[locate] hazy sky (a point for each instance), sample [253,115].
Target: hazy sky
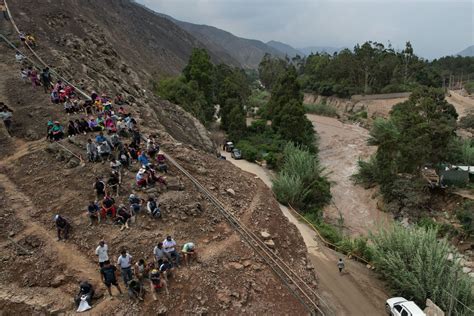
[435,27]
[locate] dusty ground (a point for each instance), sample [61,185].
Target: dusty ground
[340,146]
[463,105]
[356,292]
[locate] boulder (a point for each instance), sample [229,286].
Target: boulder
[270,243]
[235,265]
[265,235]
[231,192]
[466,270]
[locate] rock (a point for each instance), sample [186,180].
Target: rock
[466,270]
[432,309]
[235,265]
[11,234]
[73,163]
[265,235]
[247,263]
[450,257]
[270,243]
[231,192]
[173,183]
[162,310]
[471,274]
[58,280]
[368,266]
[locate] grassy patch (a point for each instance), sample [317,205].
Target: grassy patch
[321,109]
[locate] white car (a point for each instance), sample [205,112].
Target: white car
[399,306]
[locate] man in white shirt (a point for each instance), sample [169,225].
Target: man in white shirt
[169,245]
[125,263]
[101,252]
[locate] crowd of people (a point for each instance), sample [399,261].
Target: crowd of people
[136,274]
[110,125]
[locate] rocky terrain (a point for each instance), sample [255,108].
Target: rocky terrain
[38,179]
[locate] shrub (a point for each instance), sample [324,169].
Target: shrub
[248,150]
[467,121]
[469,87]
[300,181]
[321,109]
[465,215]
[415,264]
[366,173]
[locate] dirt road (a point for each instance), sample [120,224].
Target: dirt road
[340,146]
[463,105]
[357,292]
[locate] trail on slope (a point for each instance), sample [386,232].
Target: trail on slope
[357,292]
[340,147]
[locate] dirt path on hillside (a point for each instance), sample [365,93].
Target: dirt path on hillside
[463,105]
[340,147]
[64,253]
[357,292]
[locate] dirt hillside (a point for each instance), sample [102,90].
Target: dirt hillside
[38,180]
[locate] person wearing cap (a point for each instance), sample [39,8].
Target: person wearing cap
[62,226]
[169,245]
[189,252]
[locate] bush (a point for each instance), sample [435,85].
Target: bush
[320,109]
[300,182]
[415,264]
[465,215]
[467,121]
[469,87]
[366,173]
[248,150]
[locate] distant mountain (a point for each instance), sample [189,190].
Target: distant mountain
[319,49]
[285,48]
[468,52]
[247,52]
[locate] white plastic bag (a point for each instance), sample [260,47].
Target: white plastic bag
[83,306]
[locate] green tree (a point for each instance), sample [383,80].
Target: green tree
[270,69]
[200,70]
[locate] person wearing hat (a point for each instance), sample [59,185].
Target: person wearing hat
[189,252]
[141,178]
[57,131]
[62,226]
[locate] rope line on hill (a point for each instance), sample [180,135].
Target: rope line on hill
[284,272]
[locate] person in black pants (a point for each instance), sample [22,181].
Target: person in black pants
[63,226]
[85,289]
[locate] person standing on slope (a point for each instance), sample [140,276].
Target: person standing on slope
[340,265]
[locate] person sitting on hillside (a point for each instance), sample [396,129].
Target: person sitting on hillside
[34,77]
[6,116]
[71,129]
[91,149]
[68,105]
[93,126]
[135,289]
[162,166]
[189,252]
[30,40]
[110,125]
[124,158]
[132,149]
[99,188]
[57,132]
[159,254]
[141,178]
[143,159]
[108,208]
[55,97]
[86,293]
[153,209]
[58,86]
[93,213]
[80,127]
[104,151]
[153,177]
[114,182]
[46,79]
[24,75]
[62,226]
[157,283]
[19,57]
[136,136]
[119,100]
[152,147]
[123,217]
[166,269]
[171,253]
[141,270]
[84,126]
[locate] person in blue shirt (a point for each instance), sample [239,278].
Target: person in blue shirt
[143,159]
[100,138]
